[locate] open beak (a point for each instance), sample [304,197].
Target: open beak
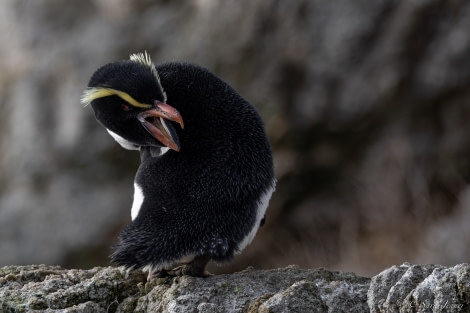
[153,121]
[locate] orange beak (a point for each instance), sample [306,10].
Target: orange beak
[153,122]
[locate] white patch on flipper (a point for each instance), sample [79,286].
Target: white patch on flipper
[263,203]
[126,144]
[138,200]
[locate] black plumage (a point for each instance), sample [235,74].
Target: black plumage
[204,198]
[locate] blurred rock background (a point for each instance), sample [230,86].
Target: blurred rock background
[366,103]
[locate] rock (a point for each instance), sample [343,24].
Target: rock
[26,288]
[405,288]
[421,288]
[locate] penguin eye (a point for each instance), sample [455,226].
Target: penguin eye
[125,107]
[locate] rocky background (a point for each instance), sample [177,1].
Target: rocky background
[366,104]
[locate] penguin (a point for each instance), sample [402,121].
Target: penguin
[206,174]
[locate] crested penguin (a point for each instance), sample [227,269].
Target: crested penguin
[206,174]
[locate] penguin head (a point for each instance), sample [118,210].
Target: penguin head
[129,100]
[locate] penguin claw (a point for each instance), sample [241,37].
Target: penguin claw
[160,274]
[175,272]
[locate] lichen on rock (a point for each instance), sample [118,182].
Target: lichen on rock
[404,288]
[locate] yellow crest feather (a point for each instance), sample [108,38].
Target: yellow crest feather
[94,93]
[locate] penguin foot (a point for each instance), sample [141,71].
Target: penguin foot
[196,267]
[160,274]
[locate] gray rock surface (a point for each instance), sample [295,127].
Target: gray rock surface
[405,288]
